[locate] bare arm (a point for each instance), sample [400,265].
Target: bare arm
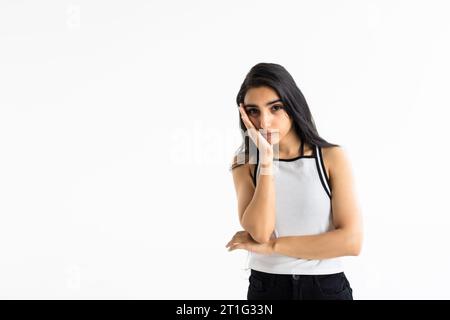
[256,206]
[323,246]
[259,217]
[346,239]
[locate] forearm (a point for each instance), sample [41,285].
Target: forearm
[259,217]
[330,244]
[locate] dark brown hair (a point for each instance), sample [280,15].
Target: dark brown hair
[279,79]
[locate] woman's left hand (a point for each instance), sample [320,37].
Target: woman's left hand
[243,240]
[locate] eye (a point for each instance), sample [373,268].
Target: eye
[252,111]
[278,106]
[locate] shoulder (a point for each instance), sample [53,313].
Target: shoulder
[244,162]
[336,161]
[240,167]
[333,153]
[243,183]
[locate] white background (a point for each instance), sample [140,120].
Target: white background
[118,123]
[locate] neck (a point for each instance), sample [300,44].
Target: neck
[289,147]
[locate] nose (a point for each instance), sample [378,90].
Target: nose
[266,121]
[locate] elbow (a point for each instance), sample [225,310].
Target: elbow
[259,235]
[355,243]
[355,250]
[262,237]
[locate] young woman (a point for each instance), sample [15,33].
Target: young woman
[295,192]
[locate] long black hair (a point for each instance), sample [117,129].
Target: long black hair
[279,79]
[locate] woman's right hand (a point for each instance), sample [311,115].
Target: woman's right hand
[265,147]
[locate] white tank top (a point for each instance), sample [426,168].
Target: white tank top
[303,207]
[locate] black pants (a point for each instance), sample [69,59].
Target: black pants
[264,286]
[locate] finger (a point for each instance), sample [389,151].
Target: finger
[230,242]
[254,134]
[234,238]
[248,124]
[242,246]
[240,236]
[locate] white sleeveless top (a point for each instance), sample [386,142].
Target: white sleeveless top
[303,207]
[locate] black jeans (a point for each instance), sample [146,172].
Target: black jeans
[265,286]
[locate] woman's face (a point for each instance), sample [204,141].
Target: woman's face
[266,111]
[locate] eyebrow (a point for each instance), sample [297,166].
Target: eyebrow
[267,104]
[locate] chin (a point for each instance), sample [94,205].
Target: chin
[276,140]
[273,139]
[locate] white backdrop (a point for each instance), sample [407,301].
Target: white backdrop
[118,122]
